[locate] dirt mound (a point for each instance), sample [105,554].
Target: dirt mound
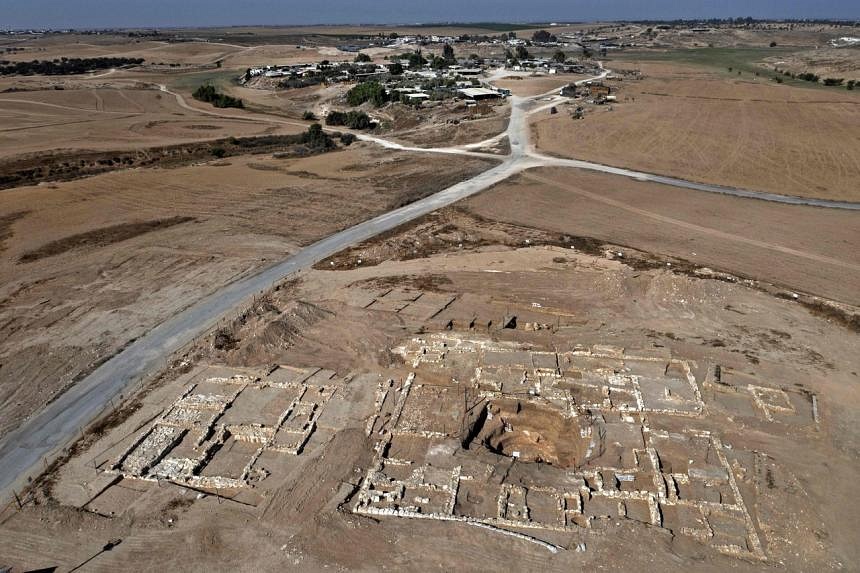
[533,433]
[263,333]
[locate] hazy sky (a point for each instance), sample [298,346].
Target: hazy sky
[164,13]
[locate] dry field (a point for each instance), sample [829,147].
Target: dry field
[774,243]
[824,61]
[157,52]
[108,282]
[105,117]
[699,348]
[792,465]
[705,126]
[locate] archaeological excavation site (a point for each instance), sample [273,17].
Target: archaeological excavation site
[477,297]
[417,403]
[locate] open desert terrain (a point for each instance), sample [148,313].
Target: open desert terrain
[468,313]
[716,127]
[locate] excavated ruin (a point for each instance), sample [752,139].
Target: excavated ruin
[533,433]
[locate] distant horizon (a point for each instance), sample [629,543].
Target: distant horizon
[478,24]
[168,14]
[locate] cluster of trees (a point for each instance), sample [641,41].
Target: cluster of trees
[209,94]
[64,66]
[807,77]
[417,60]
[373,92]
[350,119]
[544,37]
[520,53]
[317,139]
[361,58]
[814,78]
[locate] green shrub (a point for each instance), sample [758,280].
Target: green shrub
[209,94]
[373,92]
[808,77]
[351,119]
[316,138]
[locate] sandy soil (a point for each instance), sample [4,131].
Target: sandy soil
[700,125]
[301,513]
[758,300]
[824,61]
[776,243]
[63,313]
[107,117]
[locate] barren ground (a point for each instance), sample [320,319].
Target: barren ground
[407,404]
[72,294]
[302,511]
[704,126]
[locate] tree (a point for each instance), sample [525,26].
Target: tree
[316,138]
[351,119]
[309,116]
[773,44]
[361,58]
[395,69]
[522,53]
[559,57]
[542,36]
[373,92]
[448,54]
[209,94]
[416,59]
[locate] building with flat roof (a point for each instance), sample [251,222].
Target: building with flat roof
[479,93]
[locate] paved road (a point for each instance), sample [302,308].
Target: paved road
[22,450]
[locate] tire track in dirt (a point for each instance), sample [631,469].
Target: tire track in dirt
[692,226]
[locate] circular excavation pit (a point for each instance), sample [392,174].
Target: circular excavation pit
[532,433]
